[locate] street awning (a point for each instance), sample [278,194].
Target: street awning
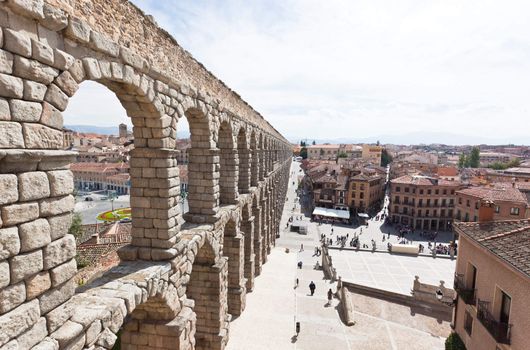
[332,213]
[363,215]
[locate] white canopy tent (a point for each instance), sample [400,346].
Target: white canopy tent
[332,213]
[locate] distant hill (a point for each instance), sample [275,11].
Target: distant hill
[104,130]
[112,130]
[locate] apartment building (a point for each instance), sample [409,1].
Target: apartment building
[366,191]
[492,281]
[324,152]
[423,202]
[101,176]
[487,158]
[509,202]
[372,153]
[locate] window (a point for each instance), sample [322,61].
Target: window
[497,209]
[405,210]
[436,202]
[420,202]
[437,191]
[468,322]
[459,200]
[445,191]
[442,213]
[428,202]
[452,191]
[466,218]
[419,212]
[396,210]
[451,202]
[429,191]
[426,213]
[353,203]
[421,191]
[398,189]
[396,199]
[514,211]
[506,303]
[476,205]
[467,203]
[407,189]
[475,219]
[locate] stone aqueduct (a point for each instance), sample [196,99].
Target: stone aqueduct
[183,276]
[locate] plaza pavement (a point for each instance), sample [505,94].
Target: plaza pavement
[274,305]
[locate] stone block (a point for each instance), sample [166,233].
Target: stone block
[54,19]
[34,91]
[67,333]
[91,67]
[55,297]
[47,344]
[56,206]
[11,135]
[23,111]
[51,116]
[28,8]
[67,83]
[106,339]
[34,70]
[104,44]
[8,188]
[17,43]
[33,185]
[11,297]
[4,274]
[40,136]
[56,97]
[59,251]
[78,30]
[9,242]
[61,182]
[42,52]
[11,86]
[59,225]
[18,213]
[25,265]
[34,335]
[34,235]
[18,321]
[6,62]
[37,284]
[62,60]
[78,71]
[63,273]
[5,113]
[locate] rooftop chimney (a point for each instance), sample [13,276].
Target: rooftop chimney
[486,210]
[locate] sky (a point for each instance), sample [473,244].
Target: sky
[400,71]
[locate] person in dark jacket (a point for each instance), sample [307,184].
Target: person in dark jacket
[312,287]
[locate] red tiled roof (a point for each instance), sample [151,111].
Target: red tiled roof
[424,181]
[500,193]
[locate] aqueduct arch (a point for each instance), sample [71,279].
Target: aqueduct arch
[182,276]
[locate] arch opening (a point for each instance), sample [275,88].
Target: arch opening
[228,165]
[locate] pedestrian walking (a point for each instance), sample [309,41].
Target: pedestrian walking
[330,296]
[302,247]
[312,287]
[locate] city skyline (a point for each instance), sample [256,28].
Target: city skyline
[362,70]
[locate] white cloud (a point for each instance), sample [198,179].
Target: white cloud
[324,69]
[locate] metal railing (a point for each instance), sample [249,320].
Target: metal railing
[468,295]
[498,330]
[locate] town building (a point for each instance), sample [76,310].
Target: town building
[492,281]
[509,202]
[487,158]
[372,153]
[323,152]
[101,176]
[366,191]
[183,146]
[122,130]
[423,202]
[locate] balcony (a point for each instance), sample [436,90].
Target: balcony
[468,295]
[498,330]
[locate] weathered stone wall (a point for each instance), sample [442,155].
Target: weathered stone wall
[183,276]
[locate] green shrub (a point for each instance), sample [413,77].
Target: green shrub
[453,342]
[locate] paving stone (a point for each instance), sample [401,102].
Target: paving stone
[8,188]
[33,185]
[25,265]
[18,213]
[24,111]
[34,235]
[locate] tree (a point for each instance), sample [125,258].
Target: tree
[386,158]
[454,342]
[314,143]
[75,227]
[474,158]
[343,155]
[462,161]
[303,153]
[302,143]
